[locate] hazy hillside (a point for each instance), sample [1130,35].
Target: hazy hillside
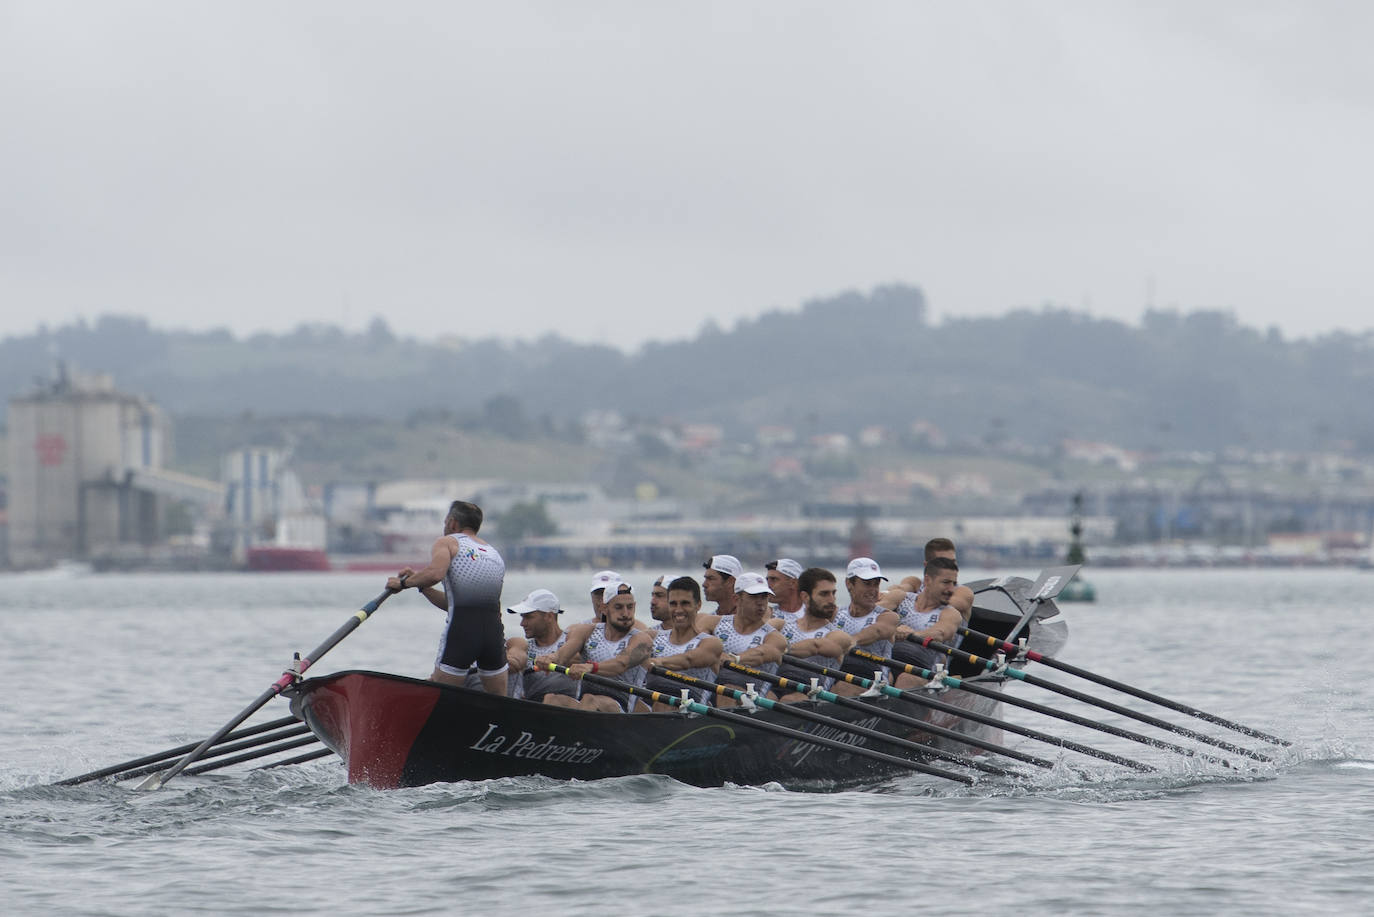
[1195,380]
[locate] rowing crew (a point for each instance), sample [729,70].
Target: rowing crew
[747,629]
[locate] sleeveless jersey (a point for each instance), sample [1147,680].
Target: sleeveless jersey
[474,628]
[534,685]
[600,648]
[663,646]
[852,625]
[914,653]
[793,632]
[736,643]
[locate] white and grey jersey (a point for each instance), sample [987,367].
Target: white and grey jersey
[908,651]
[601,648]
[794,632]
[787,616]
[534,685]
[736,643]
[852,626]
[474,577]
[664,646]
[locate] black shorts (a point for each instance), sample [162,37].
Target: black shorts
[474,637]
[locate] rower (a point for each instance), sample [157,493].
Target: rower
[614,648]
[687,647]
[598,594]
[749,638]
[870,624]
[782,580]
[929,613]
[543,638]
[911,585]
[815,636]
[658,601]
[718,582]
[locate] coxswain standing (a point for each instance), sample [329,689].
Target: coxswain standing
[871,625]
[815,636]
[543,638]
[928,614]
[689,647]
[782,579]
[749,638]
[473,573]
[614,648]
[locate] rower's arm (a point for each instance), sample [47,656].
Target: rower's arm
[945,628]
[517,653]
[962,600]
[881,629]
[706,653]
[771,650]
[640,648]
[894,596]
[835,643]
[572,647]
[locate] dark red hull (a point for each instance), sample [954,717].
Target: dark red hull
[394,731]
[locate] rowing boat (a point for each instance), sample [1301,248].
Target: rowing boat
[394,731]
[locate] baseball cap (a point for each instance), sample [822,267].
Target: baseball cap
[786,566]
[727,564]
[752,583]
[601,579]
[864,568]
[538,600]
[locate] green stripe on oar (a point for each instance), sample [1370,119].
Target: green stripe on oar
[993,666]
[752,722]
[1032,655]
[831,697]
[973,688]
[117,770]
[358,617]
[915,697]
[814,717]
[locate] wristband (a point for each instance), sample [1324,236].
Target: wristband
[596,667]
[403,577]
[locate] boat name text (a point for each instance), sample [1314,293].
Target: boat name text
[495,742]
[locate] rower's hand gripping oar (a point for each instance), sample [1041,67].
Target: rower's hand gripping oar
[1014,649]
[289,677]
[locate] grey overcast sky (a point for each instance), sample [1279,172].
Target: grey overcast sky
[628,171]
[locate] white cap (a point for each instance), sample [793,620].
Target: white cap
[601,579]
[864,568]
[666,578]
[726,564]
[752,583]
[613,587]
[787,567]
[538,600]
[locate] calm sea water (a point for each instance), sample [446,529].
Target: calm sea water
[99,669]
